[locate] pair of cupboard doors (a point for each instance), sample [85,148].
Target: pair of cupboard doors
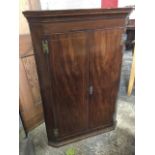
[78,57]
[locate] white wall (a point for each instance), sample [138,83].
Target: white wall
[69,4]
[123,3]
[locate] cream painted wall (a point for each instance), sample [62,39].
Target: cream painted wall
[26,5]
[23,25]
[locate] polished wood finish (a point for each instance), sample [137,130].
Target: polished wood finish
[105,67]
[69,73]
[78,55]
[30,98]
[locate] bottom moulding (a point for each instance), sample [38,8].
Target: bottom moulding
[83,136]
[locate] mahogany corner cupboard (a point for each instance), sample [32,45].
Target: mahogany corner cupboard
[78,55]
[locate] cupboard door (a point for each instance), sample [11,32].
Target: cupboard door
[105,66]
[69,74]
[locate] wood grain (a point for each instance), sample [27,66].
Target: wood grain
[31,114]
[105,65]
[25,46]
[69,64]
[30,98]
[32,77]
[132,75]
[85,51]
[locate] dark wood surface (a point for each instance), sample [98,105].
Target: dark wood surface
[79,76]
[69,73]
[130,31]
[105,65]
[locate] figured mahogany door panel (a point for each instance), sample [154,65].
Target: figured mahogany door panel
[30,98]
[105,65]
[69,72]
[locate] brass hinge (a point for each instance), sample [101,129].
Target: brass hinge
[55,132]
[45,46]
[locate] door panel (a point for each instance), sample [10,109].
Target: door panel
[105,65]
[30,98]
[69,74]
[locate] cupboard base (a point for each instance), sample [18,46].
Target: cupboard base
[82,136]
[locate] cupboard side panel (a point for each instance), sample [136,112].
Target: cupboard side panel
[42,63]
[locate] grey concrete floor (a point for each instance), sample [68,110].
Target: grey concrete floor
[120,141]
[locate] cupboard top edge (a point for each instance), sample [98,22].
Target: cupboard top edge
[77,12]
